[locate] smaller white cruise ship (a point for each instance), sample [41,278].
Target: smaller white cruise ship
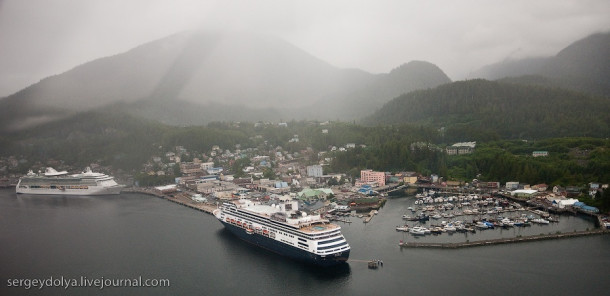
[62,183]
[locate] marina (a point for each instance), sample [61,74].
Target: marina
[482,222]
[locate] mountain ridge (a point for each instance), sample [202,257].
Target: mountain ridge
[583,66]
[258,72]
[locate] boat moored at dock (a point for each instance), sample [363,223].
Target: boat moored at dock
[62,183]
[285,230]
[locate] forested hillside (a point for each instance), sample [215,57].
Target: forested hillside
[485,110]
[582,66]
[127,142]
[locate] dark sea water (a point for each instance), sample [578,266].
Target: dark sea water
[132,235]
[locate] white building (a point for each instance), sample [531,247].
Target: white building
[207,165]
[314,171]
[512,185]
[562,203]
[540,153]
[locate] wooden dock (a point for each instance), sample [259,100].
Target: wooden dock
[8,183]
[203,207]
[370,216]
[503,240]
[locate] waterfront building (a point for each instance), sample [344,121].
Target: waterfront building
[370,176]
[528,193]
[319,193]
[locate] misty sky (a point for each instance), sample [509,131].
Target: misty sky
[39,38]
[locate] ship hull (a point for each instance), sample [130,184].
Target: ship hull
[91,190]
[287,250]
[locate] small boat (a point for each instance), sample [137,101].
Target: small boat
[481,225]
[404,228]
[540,221]
[436,230]
[373,264]
[417,230]
[507,222]
[450,228]
[423,217]
[451,215]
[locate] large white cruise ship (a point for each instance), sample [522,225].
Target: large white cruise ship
[62,183]
[285,230]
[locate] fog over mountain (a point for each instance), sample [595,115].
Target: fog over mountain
[238,70]
[583,65]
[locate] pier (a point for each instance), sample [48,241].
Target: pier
[8,182]
[370,216]
[503,240]
[390,188]
[179,198]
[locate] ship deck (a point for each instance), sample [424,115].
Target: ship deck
[308,227]
[317,227]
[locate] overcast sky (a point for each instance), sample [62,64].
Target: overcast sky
[39,38]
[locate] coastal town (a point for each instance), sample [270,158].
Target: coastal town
[203,180]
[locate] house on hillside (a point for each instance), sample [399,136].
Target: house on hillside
[540,153]
[461,148]
[540,187]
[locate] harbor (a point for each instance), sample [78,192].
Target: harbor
[483,210]
[470,237]
[188,245]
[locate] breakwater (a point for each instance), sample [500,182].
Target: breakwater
[490,242]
